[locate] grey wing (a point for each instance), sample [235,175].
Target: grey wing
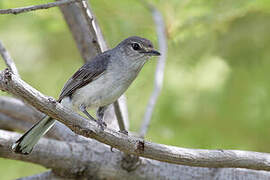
[85,75]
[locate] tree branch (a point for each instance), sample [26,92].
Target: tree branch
[10,123]
[162,41]
[119,116]
[36,7]
[93,26]
[77,160]
[21,116]
[128,144]
[8,60]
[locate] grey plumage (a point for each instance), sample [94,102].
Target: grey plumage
[25,144]
[87,73]
[97,83]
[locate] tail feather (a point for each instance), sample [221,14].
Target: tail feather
[28,140]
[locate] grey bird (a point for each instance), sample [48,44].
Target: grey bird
[97,84]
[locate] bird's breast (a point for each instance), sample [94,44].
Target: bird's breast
[104,90]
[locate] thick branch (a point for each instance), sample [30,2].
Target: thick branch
[93,26]
[162,41]
[10,123]
[78,25]
[128,144]
[98,162]
[36,7]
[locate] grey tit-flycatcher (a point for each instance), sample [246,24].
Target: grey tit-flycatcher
[97,84]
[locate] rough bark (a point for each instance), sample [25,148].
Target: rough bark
[78,160]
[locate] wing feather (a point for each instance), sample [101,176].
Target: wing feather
[86,74]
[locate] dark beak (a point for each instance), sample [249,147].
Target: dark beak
[152,52]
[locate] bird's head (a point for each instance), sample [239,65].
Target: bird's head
[137,49]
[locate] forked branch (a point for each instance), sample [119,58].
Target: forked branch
[8,60]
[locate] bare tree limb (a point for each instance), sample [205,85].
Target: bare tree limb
[8,60]
[77,23]
[10,123]
[78,160]
[162,41]
[93,26]
[128,144]
[24,116]
[10,105]
[36,7]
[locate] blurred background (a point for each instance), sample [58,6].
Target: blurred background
[216,90]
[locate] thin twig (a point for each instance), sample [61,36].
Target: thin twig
[119,116]
[8,60]
[162,41]
[36,7]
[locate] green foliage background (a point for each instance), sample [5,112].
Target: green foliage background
[216,90]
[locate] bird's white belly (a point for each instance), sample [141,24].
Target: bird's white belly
[102,91]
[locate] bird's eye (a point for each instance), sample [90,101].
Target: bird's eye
[136,46]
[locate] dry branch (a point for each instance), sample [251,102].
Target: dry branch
[128,144]
[36,7]
[7,122]
[8,60]
[25,116]
[98,162]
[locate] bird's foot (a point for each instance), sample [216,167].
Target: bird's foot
[101,124]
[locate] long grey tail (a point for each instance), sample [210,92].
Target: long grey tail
[26,143]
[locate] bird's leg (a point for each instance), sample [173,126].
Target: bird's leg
[83,109]
[100,114]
